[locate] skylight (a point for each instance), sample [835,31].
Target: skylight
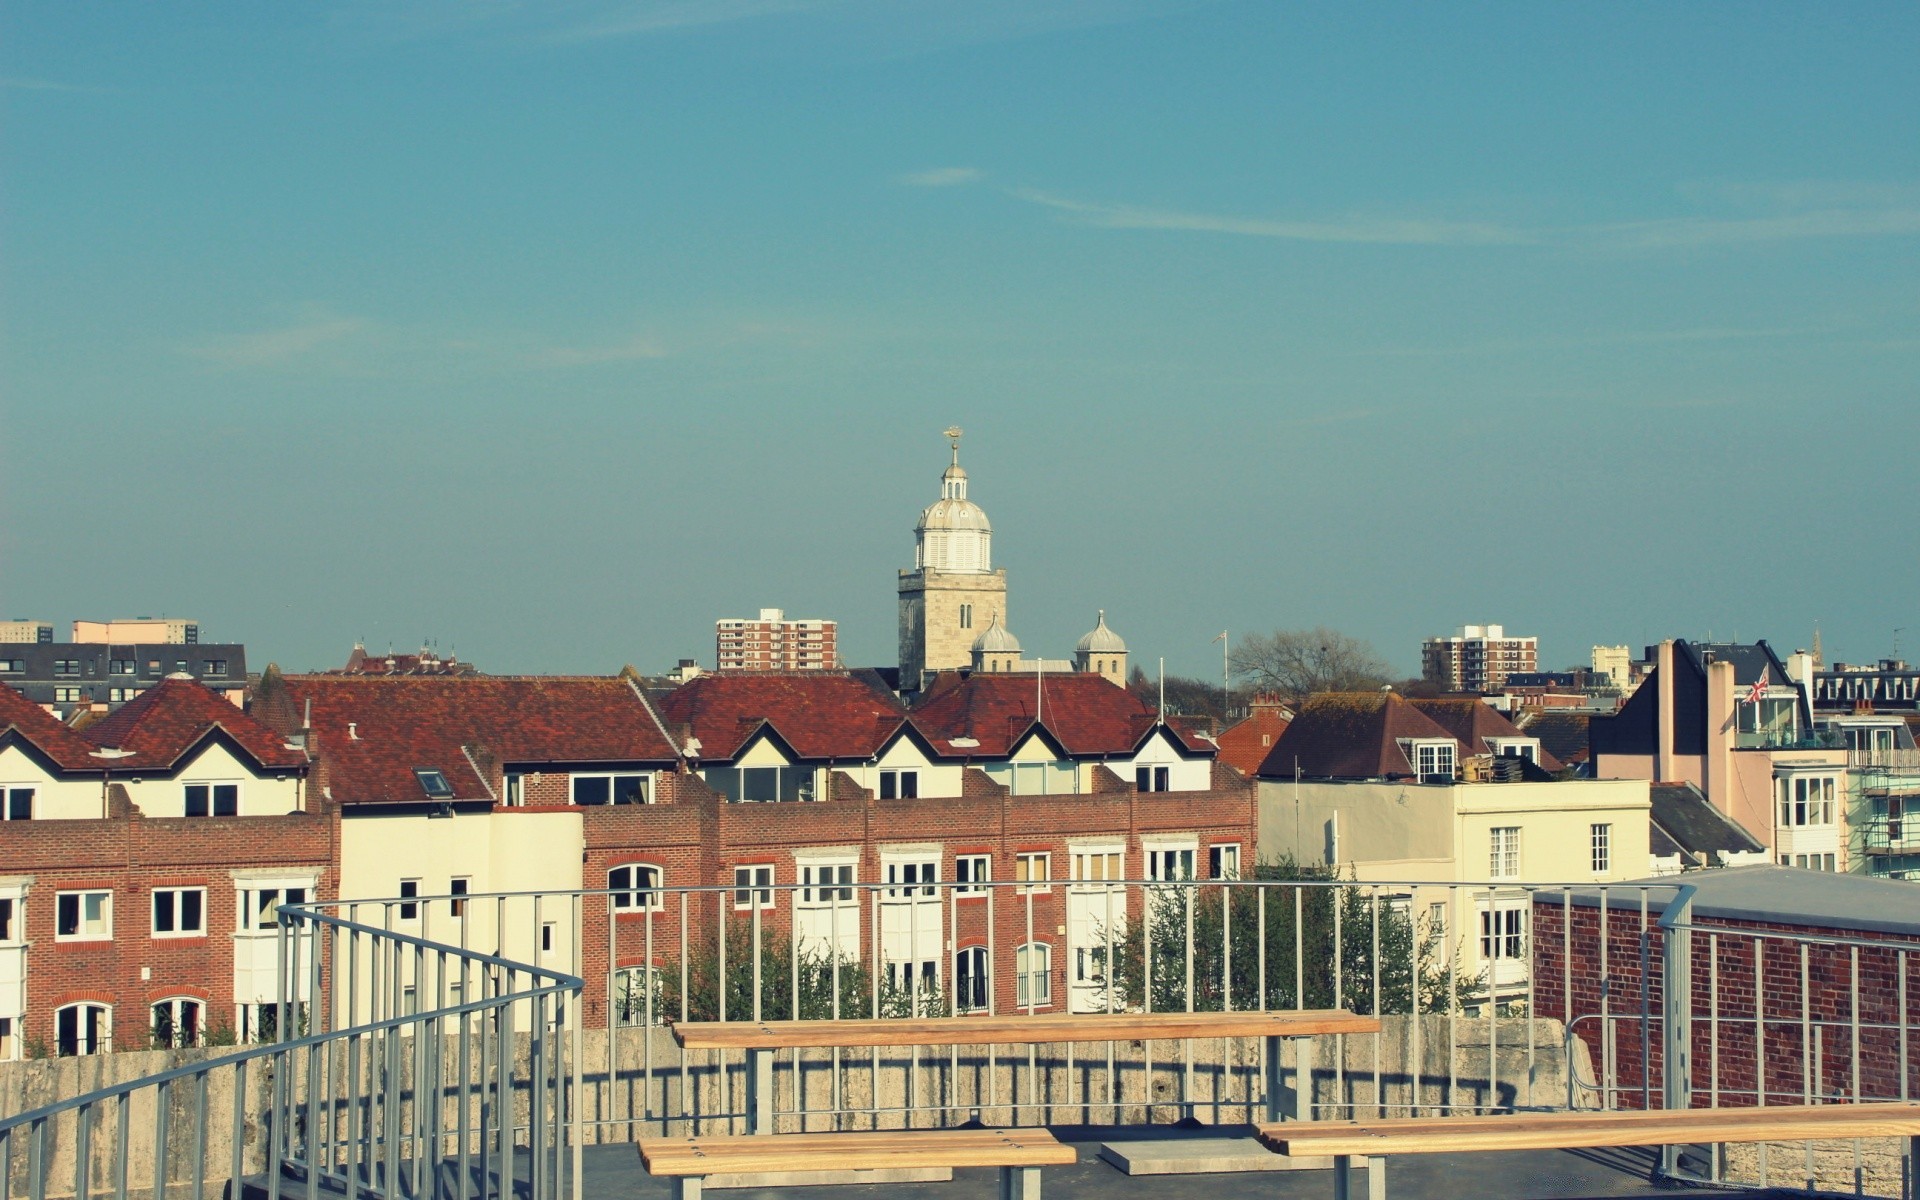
[433,783]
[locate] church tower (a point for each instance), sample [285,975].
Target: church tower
[952,594]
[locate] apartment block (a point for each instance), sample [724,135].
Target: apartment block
[164,630]
[774,642]
[25,630]
[1478,658]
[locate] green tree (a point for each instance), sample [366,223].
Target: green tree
[1309,928]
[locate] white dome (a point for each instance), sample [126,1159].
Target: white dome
[954,534]
[1101,640]
[995,639]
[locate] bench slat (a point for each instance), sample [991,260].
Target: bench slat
[1573,1130]
[1005,1029]
[865,1150]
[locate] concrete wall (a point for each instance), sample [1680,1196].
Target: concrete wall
[640,1073]
[1386,831]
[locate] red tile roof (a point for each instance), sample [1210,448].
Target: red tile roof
[1246,744]
[820,714]
[1085,714]
[1472,721]
[163,723]
[30,723]
[1350,735]
[374,732]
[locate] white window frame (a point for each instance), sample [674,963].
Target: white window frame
[1433,756]
[1152,777]
[79,896]
[899,783]
[575,778]
[827,882]
[753,887]
[1095,867]
[408,908]
[1024,973]
[1223,860]
[178,894]
[514,790]
[9,1042]
[1601,840]
[1027,882]
[213,803]
[1181,857]
[258,899]
[908,876]
[102,1041]
[979,973]
[1503,852]
[1808,800]
[13,916]
[634,895]
[9,792]
[176,1007]
[1503,933]
[636,988]
[971,874]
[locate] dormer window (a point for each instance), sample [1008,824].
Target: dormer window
[433,783]
[1527,748]
[1432,759]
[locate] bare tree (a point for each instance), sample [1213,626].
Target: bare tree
[1299,662]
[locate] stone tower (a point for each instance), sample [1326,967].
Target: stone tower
[952,594]
[1102,652]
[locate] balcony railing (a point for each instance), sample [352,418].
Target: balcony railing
[465,1047]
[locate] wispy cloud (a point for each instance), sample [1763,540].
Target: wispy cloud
[1375,230]
[275,347]
[634,349]
[1895,216]
[1585,341]
[940,177]
[21,83]
[639,17]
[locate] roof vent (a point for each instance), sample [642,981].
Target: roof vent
[353,731]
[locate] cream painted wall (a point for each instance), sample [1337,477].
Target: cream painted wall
[1555,822]
[520,850]
[1409,831]
[53,800]
[938,780]
[1386,831]
[259,796]
[1184,775]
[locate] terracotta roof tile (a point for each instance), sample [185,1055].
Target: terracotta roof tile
[172,717]
[1085,714]
[820,714]
[1472,721]
[1350,735]
[374,732]
[27,721]
[1245,745]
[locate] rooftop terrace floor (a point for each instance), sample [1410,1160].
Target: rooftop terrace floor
[615,1173]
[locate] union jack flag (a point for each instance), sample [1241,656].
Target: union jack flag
[1759,689]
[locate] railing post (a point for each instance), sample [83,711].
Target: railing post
[1676,1013]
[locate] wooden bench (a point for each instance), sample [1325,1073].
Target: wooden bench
[1372,1141]
[760,1039]
[1018,1153]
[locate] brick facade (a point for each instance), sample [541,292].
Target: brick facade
[131,855]
[1811,978]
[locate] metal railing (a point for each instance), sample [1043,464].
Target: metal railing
[465,1047]
[340,1103]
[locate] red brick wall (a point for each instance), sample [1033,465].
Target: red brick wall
[1827,986]
[696,839]
[132,855]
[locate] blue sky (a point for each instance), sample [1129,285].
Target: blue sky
[556,331]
